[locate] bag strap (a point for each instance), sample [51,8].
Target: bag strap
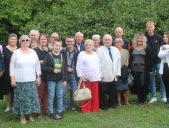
[83,105]
[79,84]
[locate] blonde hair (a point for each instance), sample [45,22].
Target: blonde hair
[150,23]
[46,36]
[143,38]
[57,40]
[23,36]
[88,41]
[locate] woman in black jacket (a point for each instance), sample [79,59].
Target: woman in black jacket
[141,64]
[54,66]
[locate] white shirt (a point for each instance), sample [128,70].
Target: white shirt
[24,66]
[88,66]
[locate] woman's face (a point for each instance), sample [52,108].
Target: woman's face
[140,41]
[43,41]
[96,41]
[165,39]
[34,44]
[118,44]
[12,41]
[89,47]
[25,43]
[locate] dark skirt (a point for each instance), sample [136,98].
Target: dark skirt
[26,98]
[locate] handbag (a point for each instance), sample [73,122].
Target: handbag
[121,85]
[82,94]
[130,80]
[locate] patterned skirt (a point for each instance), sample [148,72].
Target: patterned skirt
[26,98]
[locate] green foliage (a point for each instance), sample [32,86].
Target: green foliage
[88,16]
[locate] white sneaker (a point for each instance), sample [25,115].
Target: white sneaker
[164,100]
[152,100]
[7,109]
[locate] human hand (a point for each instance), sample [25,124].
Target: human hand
[38,81]
[41,61]
[102,78]
[70,69]
[84,79]
[13,83]
[57,71]
[64,84]
[1,73]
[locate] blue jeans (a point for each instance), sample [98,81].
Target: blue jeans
[73,86]
[55,87]
[153,85]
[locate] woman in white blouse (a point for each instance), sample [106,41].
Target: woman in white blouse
[164,69]
[25,76]
[88,68]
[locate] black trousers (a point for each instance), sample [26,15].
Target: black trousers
[139,86]
[165,77]
[107,94]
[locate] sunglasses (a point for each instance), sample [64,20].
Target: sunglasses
[166,32]
[25,40]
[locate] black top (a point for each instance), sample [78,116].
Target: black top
[6,87]
[41,55]
[49,66]
[155,42]
[82,47]
[2,66]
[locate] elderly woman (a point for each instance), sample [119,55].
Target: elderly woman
[34,34]
[88,68]
[41,51]
[122,81]
[25,77]
[164,70]
[5,88]
[141,64]
[96,40]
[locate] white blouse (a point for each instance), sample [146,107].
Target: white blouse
[88,66]
[24,66]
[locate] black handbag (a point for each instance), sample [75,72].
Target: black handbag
[121,85]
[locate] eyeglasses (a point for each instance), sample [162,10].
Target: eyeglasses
[25,40]
[166,32]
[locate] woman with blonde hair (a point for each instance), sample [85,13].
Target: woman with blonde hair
[141,64]
[41,50]
[88,68]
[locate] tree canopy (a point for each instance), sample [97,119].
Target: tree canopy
[67,17]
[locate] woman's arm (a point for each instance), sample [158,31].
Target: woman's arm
[12,69]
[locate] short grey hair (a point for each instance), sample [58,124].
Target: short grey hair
[12,35]
[96,36]
[34,30]
[106,35]
[23,36]
[120,40]
[78,33]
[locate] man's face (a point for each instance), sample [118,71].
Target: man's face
[118,33]
[150,29]
[70,42]
[79,38]
[54,36]
[107,41]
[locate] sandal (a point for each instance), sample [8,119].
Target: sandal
[23,120]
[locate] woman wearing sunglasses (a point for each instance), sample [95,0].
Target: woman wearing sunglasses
[25,72]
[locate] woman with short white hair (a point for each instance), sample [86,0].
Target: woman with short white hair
[88,68]
[96,40]
[25,77]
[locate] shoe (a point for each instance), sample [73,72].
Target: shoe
[53,117]
[164,100]
[114,107]
[152,100]
[104,108]
[8,109]
[74,109]
[23,120]
[59,116]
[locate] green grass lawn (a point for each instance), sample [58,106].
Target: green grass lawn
[135,116]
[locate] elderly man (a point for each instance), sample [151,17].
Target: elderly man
[119,34]
[34,34]
[54,36]
[110,63]
[79,41]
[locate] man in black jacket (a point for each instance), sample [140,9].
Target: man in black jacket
[70,56]
[155,41]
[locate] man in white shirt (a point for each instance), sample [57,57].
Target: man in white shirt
[79,41]
[110,62]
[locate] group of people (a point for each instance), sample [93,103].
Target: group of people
[35,76]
